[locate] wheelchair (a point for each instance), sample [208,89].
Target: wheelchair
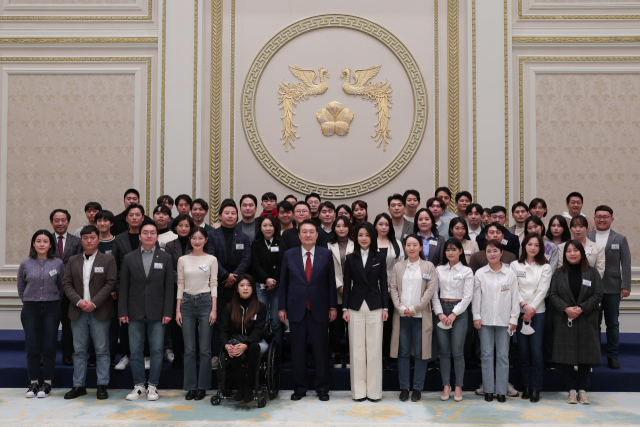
[267,378]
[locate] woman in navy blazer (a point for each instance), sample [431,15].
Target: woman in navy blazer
[424,225]
[365,304]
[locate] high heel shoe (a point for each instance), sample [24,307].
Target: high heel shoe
[535,396]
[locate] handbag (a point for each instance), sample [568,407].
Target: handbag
[238,339]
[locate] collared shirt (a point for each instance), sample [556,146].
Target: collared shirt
[453,283]
[147,259]
[325,229]
[447,216]
[304,255]
[56,236]
[40,279]
[87,266]
[473,234]
[496,297]
[364,254]
[533,283]
[425,244]
[566,215]
[268,243]
[602,237]
[411,288]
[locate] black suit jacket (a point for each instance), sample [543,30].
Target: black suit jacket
[120,224]
[238,261]
[174,249]
[290,240]
[265,264]
[121,247]
[150,295]
[365,283]
[72,246]
[513,243]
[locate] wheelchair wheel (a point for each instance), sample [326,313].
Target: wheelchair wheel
[262,401]
[273,370]
[216,400]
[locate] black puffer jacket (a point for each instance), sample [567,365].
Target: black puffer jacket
[254,331]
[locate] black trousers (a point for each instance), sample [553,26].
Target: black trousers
[318,332]
[336,332]
[252,357]
[66,341]
[577,380]
[387,329]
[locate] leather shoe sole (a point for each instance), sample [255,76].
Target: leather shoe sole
[323,396]
[298,396]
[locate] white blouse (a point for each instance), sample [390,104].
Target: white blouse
[533,283]
[453,283]
[411,288]
[496,297]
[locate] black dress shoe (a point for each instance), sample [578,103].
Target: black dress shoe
[360,400]
[75,392]
[67,361]
[416,396]
[535,396]
[323,396]
[431,366]
[101,393]
[613,363]
[549,366]
[190,395]
[488,397]
[501,398]
[92,361]
[298,395]
[200,394]
[248,395]
[239,394]
[526,393]
[404,395]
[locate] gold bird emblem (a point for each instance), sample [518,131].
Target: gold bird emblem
[380,93]
[292,93]
[334,119]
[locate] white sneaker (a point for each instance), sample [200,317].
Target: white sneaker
[44,391]
[214,363]
[152,393]
[480,390]
[168,355]
[123,363]
[511,391]
[34,389]
[138,391]
[147,363]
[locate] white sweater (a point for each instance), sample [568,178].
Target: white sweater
[197,275]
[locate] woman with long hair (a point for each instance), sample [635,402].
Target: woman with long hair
[558,231]
[459,229]
[534,225]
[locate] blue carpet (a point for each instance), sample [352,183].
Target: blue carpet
[13,371]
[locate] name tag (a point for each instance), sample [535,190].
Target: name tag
[53,273]
[426,277]
[615,247]
[521,273]
[240,246]
[405,235]
[98,269]
[163,245]
[107,252]
[433,242]
[586,283]
[504,288]
[202,267]
[467,252]
[375,265]
[504,241]
[457,276]
[587,251]
[157,265]
[275,248]
[255,317]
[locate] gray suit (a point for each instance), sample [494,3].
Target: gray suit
[407,228]
[72,246]
[617,261]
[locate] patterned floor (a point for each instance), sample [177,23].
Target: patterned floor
[172,410]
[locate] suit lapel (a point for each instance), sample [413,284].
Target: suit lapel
[138,257]
[222,244]
[316,264]
[126,243]
[96,263]
[583,288]
[361,268]
[67,246]
[612,237]
[301,262]
[80,273]
[567,288]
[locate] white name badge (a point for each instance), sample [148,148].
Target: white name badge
[426,277]
[163,245]
[615,247]
[586,283]
[275,248]
[587,251]
[521,274]
[107,252]
[157,265]
[98,269]
[457,276]
[467,252]
[204,267]
[240,246]
[53,273]
[405,235]
[504,241]
[504,288]
[433,242]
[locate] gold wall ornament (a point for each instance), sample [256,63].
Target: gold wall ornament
[292,93]
[380,93]
[334,119]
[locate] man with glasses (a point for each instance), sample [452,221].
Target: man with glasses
[510,241]
[616,279]
[290,238]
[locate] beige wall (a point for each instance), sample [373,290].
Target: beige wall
[54,2]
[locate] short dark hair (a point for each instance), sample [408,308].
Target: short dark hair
[362,205]
[500,228]
[536,221]
[434,227]
[431,200]
[579,220]
[519,205]
[373,247]
[130,191]
[575,194]
[326,204]
[473,206]
[307,221]
[153,224]
[162,208]
[51,252]
[310,195]
[204,205]
[134,206]
[195,229]
[300,202]
[439,189]
[274,222]
[603,208]
[269,196]
[416,237]
[495,244]
[108,215]
[165,198]
[498,208]
[249,196]
[414,192]
[286,206]
[184,197]
[464,194]
[347,223]
[395,196]
[539,258]
[227,203]
[346,208]
[566,232]
[584,262]
[93,205]
[88,229]
[538,201]
[55,211]
[182,217]
[290,196]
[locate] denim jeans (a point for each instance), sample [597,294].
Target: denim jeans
[195,310]
[610,305]
[270,299]
[498,337]
[530,352]
[451,342]
[577,380]
[155,332]
[411,332]
[40,323]
[547,346]
[84,326]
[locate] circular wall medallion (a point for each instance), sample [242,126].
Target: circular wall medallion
[346,190]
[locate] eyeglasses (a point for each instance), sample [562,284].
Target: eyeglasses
[301,211]
[148,233]
[603,218]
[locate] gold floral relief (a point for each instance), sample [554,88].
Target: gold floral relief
[334,119]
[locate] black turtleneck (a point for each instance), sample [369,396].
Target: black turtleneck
[228,238]
[183,243]
[244,302]
[163,230]
[575,279]
[134,241]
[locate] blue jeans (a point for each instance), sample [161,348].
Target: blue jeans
[270,299]
[411,332]
[40,323]
[610,305]
[451,341]
[195,310]
[155,332]
[530,351]
[498,337]
[84,326]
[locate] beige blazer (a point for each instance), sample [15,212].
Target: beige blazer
[428,287]
[335,250]
[596,258]
[470,247]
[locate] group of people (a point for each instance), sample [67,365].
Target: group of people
[422,282]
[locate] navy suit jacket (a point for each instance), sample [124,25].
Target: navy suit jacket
[238,261]
[295,290]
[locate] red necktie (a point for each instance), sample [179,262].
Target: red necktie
[60,247]
[307,270]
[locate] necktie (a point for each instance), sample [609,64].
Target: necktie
[60,247]
[307,271]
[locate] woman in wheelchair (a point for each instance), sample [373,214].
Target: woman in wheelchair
[242,335]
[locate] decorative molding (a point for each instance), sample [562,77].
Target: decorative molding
[436,90]
[473,88]
[506,105]
[215,143]
[79,40]
[162,82]
[232,103]
[195,98]
[572,17]
[454,98]
[147,17]
[304,26]
[615,39]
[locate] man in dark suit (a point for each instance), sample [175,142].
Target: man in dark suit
[120,223]
[67,245]
[232,248]
[88,282]
[616,279]
[290,238]
[511,241]
[307,297]
[146,304]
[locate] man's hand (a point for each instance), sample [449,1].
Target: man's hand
[526,319]
[271,283]
[124,319]
[624,293]
[477,324]
[573,312]
[166,320]
[114,295]
[282,315]
[385,315]
[340,290]
[89,307]
[81,304]
[333,313]
[345,316]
